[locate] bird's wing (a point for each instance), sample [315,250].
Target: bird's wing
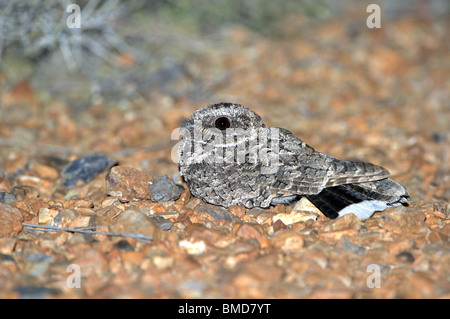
[348,172]
[302,170]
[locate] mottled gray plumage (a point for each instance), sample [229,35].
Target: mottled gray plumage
[226,169]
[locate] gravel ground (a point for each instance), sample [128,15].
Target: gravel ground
[128,227]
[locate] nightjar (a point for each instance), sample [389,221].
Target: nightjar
[228,156]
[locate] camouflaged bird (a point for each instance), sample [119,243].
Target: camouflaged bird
[228,156]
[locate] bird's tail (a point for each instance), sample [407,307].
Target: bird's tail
[361,199]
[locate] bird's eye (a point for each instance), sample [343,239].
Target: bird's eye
[222,123]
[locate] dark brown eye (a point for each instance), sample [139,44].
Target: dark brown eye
[222,123]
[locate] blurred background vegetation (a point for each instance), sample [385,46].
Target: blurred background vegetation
[125,49]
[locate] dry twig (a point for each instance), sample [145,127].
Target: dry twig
[90,231]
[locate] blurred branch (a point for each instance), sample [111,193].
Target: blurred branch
[88,231]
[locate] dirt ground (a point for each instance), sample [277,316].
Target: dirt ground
[381,95]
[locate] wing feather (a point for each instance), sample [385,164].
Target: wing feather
[303,171]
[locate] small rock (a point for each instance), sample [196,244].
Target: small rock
[436,236]
[197,218]
[264,269]
[163,262]
[216,212]
[164,224]
[433,222]
[288,240]
[23,192]
[349,246]
[279,225]
[265,217]
[349,221]
[173,216]
[36,292]
[305,205]
[32,205]
[44,171]
[236,210]
[7,198]
[418,286]
[39,258]
[405,256]
[294,217]
[112,201]
[400,245]
[194,202]
[184,197]
[164,189]
[32,181]
[108,212]
[251,231]
[7,245]
[255,211]
[193,248]
[128,184]
[135,222]
[132,259]
[85,169]
[77,203]
[157,208]
[81,222]
[47,216]
[7,258]
[85,210]
[211,237]
[123,245]
[445,232]
[10,220]
[404,218]
[438,137]
[65,217]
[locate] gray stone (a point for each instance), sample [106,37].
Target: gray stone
[163,223]
[7,198]
[85,169]
[164,189]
